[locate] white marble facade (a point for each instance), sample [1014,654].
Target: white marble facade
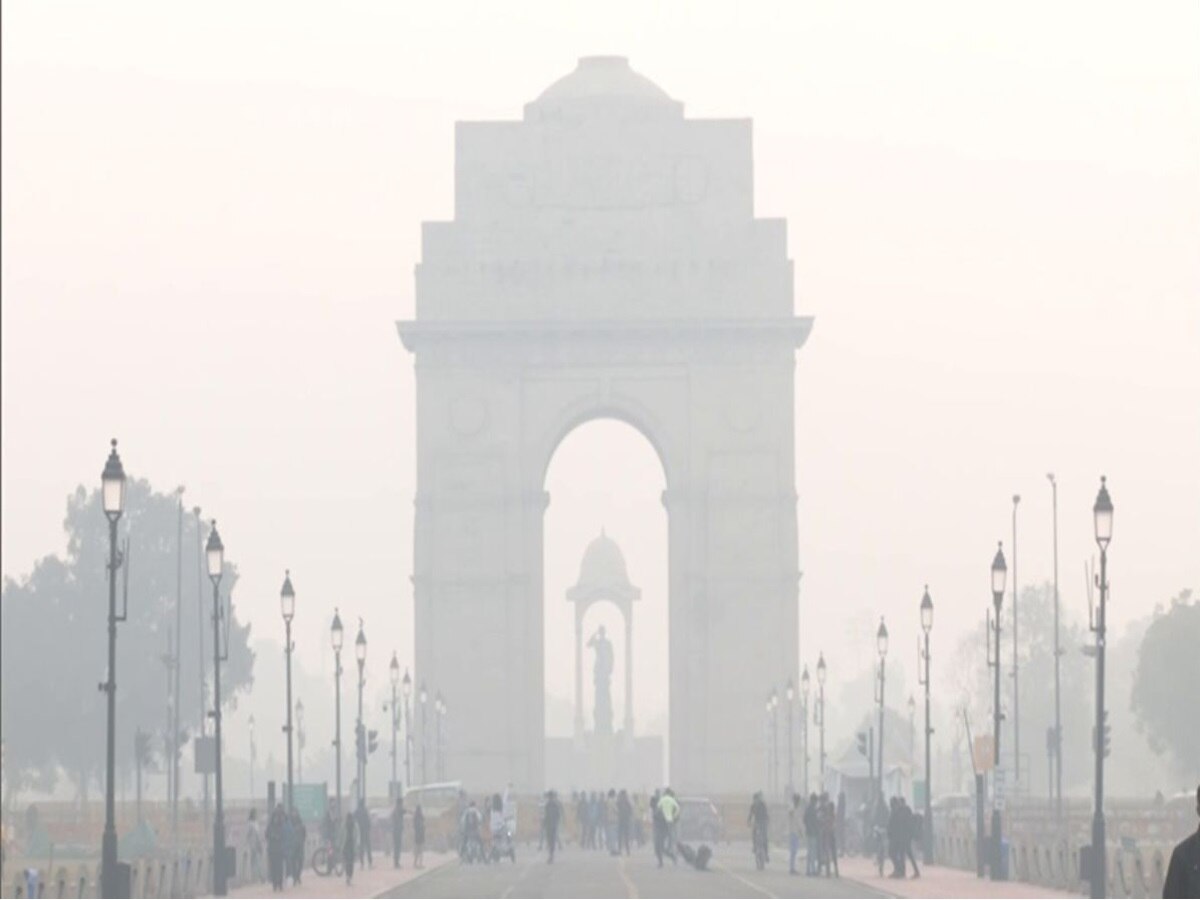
[604,261]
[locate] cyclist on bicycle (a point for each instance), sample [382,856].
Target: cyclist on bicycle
[758,820]
[472,839]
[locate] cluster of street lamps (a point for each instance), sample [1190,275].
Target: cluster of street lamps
[772,724]
[115,877]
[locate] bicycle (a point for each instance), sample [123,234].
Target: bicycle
[326,861]
[760,847]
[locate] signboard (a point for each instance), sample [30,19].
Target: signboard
[982,752]
[310,801]
[204,750]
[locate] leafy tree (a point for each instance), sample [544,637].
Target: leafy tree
[1164,685]
[53,638]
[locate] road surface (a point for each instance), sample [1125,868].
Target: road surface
[591,873]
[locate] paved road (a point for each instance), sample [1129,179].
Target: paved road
[577,873]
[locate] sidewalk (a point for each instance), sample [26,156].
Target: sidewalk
[939,882]
[367,882]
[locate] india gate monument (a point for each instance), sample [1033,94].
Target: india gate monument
[604,261]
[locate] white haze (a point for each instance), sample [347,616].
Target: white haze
[211,216]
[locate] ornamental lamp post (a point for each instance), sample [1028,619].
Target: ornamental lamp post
[439,708]
[112,481]
[360,656]
[999,576]
[790,693]
[287,606]
[424,696]
[336,637]
[926,627]
[881,642]
[215,556]
[300,740]
[406,690]
[774,740]
[804,689]
[1102,513]
[394,678]
[820,711]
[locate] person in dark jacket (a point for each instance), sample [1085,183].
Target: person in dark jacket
[1183,872]
[397,831]
[624,822]
[348,841]
[276,837]
[364,835]
[418,837]
[551,817]
[295,850]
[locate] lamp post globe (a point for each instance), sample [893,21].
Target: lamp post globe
[112,482]
[360,645]
[1102,514]
[926,611]
[337,633]
[287,597]
[406,685]
[881,638]
[214,552]
[821,669]
[999,575]
[394,670]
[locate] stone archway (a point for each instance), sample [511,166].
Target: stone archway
[604,261]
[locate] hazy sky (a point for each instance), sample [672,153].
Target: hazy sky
[211,215]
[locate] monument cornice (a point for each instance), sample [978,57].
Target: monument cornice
[418,335]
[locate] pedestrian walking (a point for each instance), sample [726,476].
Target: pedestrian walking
[670,810]
[812,836]
[275,847]
[550,821]
[364,835]
[297,835]
[1183,872]
[624,822]
[828,825]
[610,823]
[795,817]
[254,845]
[348,841]
[397,831]
[908,833]
[418,837]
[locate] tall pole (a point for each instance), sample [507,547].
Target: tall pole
[1103,513]
[927,626]
[108,849]
[1099,850]
[999,571]
[395,728]
[791,782]
[424,741]
[821,710]
[1016,661]
[287,652]
[882,686]
[1057,745]
[804,739]
[175,729]
[220,875]
[407,739]
[337,725]
[775,745]
[361,739]
[200,639]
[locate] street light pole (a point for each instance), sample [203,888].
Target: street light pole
[1016,661]
[287,605]
[360,654]
[337,635]
[804,688]
[394,676]
[113,494]
[424,742]
[406,689]
[1057,742]
[215,551]
[821,711]
[439,708]
[774,741]
[300,741]
[927,626]
[200,654]
[790,692]
[881,641]
[999,574]
[1102,513]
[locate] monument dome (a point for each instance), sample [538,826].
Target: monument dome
[600,84]
[602,573]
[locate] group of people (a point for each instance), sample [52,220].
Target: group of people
[284,838]
[606,821]
[820,823]
[486,826]
[896,827]
[352,837]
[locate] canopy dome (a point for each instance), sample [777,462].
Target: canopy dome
[601,84]
[602,574]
